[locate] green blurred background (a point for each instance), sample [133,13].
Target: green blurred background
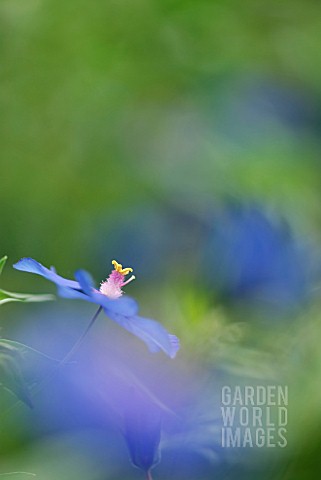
[181,138]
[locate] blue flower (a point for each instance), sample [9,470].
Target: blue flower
[258,261]
[142,430]
[123,310]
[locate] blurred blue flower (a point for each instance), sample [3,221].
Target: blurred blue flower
[142,431]
[122,310]
[258,260]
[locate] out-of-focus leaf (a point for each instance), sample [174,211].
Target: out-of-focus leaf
[6,297]
[11,377]
[18,473]
[13,357]
[24,350]
[3,262]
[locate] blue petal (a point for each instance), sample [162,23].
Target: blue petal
[66,292]
[85,281]
[151,332]
[123,306]
[32,266]
[175,344]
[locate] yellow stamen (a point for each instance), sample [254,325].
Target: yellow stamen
[119,268]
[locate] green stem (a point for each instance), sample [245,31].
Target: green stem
[80,340]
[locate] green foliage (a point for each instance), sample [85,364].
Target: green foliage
[13,354]
[103,103]
[25,351]
[11,377]
[17,473]
[6,296]
[2,263]
[14,358]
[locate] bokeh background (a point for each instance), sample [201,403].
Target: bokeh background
[183,139]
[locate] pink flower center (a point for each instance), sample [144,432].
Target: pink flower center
[112,287]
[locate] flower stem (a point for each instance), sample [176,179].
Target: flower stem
[149,475]
[73,350]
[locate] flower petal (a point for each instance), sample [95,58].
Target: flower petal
[175,344]
[126,306]
[85,281]
[151,332]
[66,292]
[32,266]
